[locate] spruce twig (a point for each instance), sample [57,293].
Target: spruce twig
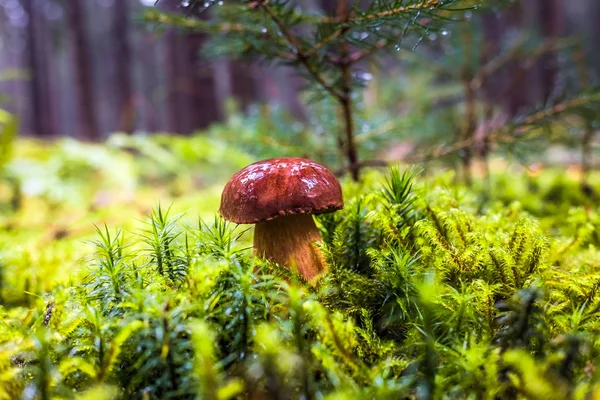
[325,48]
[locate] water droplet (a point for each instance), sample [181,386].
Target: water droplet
[264,30]
[445,33]
[432,36]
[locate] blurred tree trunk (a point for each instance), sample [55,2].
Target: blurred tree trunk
[172,67]
[150,80]
[222,76]
[124,87]
[192,86]
[200,88]
[328,6]
[492,33]
[550,14]
[173,96]
[82,64]
[236,79]
[42,115]
[243,82]
[518,84]
[595,18]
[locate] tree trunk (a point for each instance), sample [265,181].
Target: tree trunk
[200,90]
[243,82]
[493,28]
[173,96]
[346,103]
[42,110]
[124,87]
[550,14]
[519,80]
[470,123]
[152,114]
[174,77]
[594,44]
[82,65]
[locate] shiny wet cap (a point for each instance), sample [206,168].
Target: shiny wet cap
[280,186]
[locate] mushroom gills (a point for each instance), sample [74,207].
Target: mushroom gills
[290,241]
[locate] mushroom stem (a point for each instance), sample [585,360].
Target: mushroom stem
[290,241]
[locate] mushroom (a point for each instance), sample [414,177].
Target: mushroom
[280,196]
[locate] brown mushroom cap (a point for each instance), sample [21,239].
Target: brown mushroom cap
[280,186]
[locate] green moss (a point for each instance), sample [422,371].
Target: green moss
[429,295]
[435,291]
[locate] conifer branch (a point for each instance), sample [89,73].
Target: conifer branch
[301,56]
[325,49]
[194,24]
[168,19]
[495,64]
[394,12]
[511,133]
[346,98]
[364,53]
[324,42]
[560,108]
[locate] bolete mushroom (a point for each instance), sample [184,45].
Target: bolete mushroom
[280,196]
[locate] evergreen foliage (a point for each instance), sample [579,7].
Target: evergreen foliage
[329,49]
[336,47]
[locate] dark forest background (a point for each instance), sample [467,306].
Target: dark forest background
[86,68]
